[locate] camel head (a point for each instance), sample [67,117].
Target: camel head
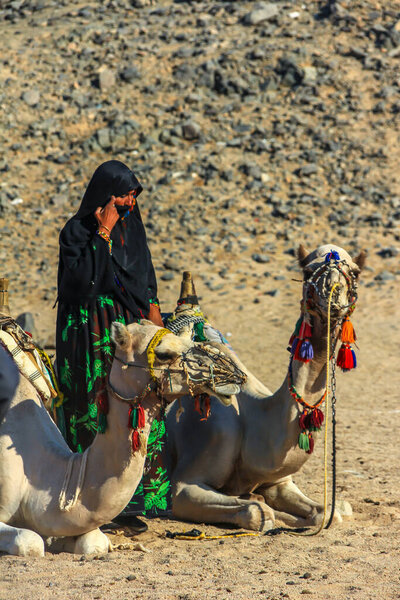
[177,365]
[325,267]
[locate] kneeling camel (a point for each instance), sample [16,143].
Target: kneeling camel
[236,467]
[47,491]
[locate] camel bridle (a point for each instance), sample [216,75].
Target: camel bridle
[317,284]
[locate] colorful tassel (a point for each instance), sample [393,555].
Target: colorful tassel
[346,358]
[304,441]
[348,335]
[294,346]
[296,331]
[306,351]
[317,418]
[311,442]
[332,255]
[305,330]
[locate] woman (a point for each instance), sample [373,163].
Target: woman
[105,274]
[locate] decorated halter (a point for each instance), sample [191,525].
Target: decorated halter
[300,346]
[136,415]
[221,370]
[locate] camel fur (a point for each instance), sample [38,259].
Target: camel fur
[236,467]
[34,457]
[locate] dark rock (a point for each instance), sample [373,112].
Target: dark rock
[191,130]
[130,74]
[260,258]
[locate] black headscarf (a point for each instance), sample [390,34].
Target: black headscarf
[86,269]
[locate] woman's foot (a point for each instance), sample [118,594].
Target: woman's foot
[131,521]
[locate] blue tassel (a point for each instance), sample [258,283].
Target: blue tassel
[354,358]
[294,346]
[332,255]
[306,350]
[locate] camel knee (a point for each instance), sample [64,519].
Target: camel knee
[22,542]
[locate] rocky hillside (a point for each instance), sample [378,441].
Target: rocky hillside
[251,125]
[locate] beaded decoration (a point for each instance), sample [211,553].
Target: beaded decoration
[311,418]
[107,238]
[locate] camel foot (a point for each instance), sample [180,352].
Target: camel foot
[255,516]
[93,542]
[20,542]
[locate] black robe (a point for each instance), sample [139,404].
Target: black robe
[86,267]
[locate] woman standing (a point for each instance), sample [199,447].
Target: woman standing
[105,274]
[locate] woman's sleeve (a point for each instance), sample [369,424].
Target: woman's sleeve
[86,261]
[152,282]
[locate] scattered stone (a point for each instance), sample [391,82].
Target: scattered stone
[107,79]
[31,97]
[191,130]
[261,12]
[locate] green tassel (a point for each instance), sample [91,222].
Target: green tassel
[297,326]
[102,426]
[304,442]
[134,418]
[199,332]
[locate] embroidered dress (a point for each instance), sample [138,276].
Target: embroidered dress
[85,353]
[98,283]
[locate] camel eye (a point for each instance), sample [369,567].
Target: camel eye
[164,356]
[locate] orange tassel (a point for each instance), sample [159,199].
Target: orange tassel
[348,333]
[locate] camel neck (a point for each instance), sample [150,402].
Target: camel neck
[113,470]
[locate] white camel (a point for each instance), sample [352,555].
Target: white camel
[47,491]
[236,467]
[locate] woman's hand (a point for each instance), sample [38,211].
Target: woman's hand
[107,216]
[155,315]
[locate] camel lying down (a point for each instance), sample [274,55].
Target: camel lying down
[47,491]
[236,467]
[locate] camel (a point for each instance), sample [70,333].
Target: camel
[236,467]
[47,491]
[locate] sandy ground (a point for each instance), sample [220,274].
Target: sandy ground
[358,559]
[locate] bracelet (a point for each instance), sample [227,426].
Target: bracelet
[105,227]
[106,238]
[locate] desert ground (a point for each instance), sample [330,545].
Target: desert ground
[243,156]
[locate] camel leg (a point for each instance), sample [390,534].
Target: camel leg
[93,542]
[292,506]
[20,542]
[200,503]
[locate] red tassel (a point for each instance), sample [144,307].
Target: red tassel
[311,442]
[348,334]
[317,417]
[305,330]
[345,359]
[141,422]
[135,440]
[303,420]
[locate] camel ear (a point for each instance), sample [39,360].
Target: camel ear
[121,336]
[360,260]
[302,255]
